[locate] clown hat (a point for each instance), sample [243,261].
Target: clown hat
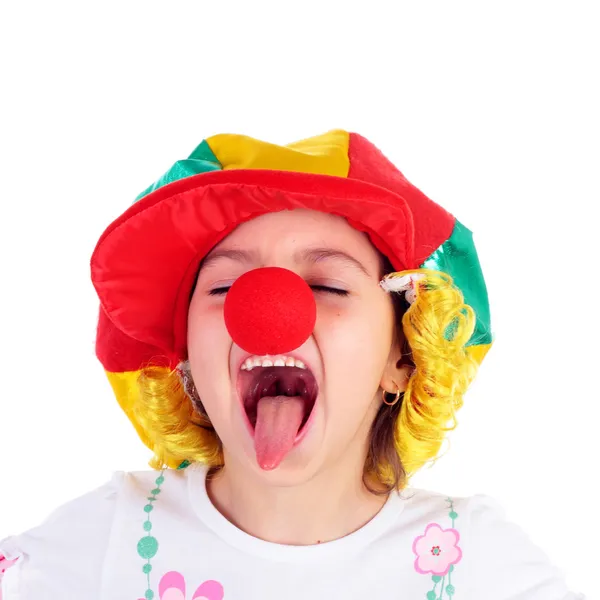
[145,263]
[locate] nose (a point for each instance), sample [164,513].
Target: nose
[270,311]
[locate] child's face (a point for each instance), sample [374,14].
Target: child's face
[352,350]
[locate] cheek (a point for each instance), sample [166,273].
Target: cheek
[355,346]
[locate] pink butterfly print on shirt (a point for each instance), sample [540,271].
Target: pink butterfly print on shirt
[172,587]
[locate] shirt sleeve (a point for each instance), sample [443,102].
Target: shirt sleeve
[63,556]
[504,563]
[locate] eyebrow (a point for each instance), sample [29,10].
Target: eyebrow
[308,255]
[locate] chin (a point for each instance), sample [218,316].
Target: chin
[294,471]
[299,466]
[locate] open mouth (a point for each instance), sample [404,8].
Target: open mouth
[281,383]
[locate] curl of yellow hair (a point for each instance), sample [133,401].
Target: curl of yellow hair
[437,327]
[174,429]
[444,370]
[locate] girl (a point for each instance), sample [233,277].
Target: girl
[291,331]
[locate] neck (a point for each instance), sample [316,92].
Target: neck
[329,506]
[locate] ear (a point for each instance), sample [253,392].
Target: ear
[398,368]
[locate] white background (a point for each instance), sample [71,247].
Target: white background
[490,108]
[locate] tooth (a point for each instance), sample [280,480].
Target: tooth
[279,362]
[290,362]
[256,362]
[300,364]
[267,363]
[248,364]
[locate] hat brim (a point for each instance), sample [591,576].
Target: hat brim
[145,263]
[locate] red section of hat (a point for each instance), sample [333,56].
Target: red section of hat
[434,224]
[270,311]
[119,352]
[146,263]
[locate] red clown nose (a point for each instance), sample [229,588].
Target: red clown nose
[270,311]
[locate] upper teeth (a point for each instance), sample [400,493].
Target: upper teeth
[271,361]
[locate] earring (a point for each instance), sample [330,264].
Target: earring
[395,400]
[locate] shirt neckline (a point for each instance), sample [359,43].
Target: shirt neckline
[232,535]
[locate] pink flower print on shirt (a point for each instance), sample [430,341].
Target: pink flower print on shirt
[172,587]
[436,550]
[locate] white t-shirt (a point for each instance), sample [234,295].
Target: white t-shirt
[108,545]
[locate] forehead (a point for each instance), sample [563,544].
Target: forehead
[296,224]
[305,235]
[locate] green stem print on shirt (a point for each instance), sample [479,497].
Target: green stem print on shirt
[148,545]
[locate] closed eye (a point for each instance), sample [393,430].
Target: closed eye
[329,290]
[218,291]
[317,288]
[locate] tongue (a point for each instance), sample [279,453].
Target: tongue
[277,423]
